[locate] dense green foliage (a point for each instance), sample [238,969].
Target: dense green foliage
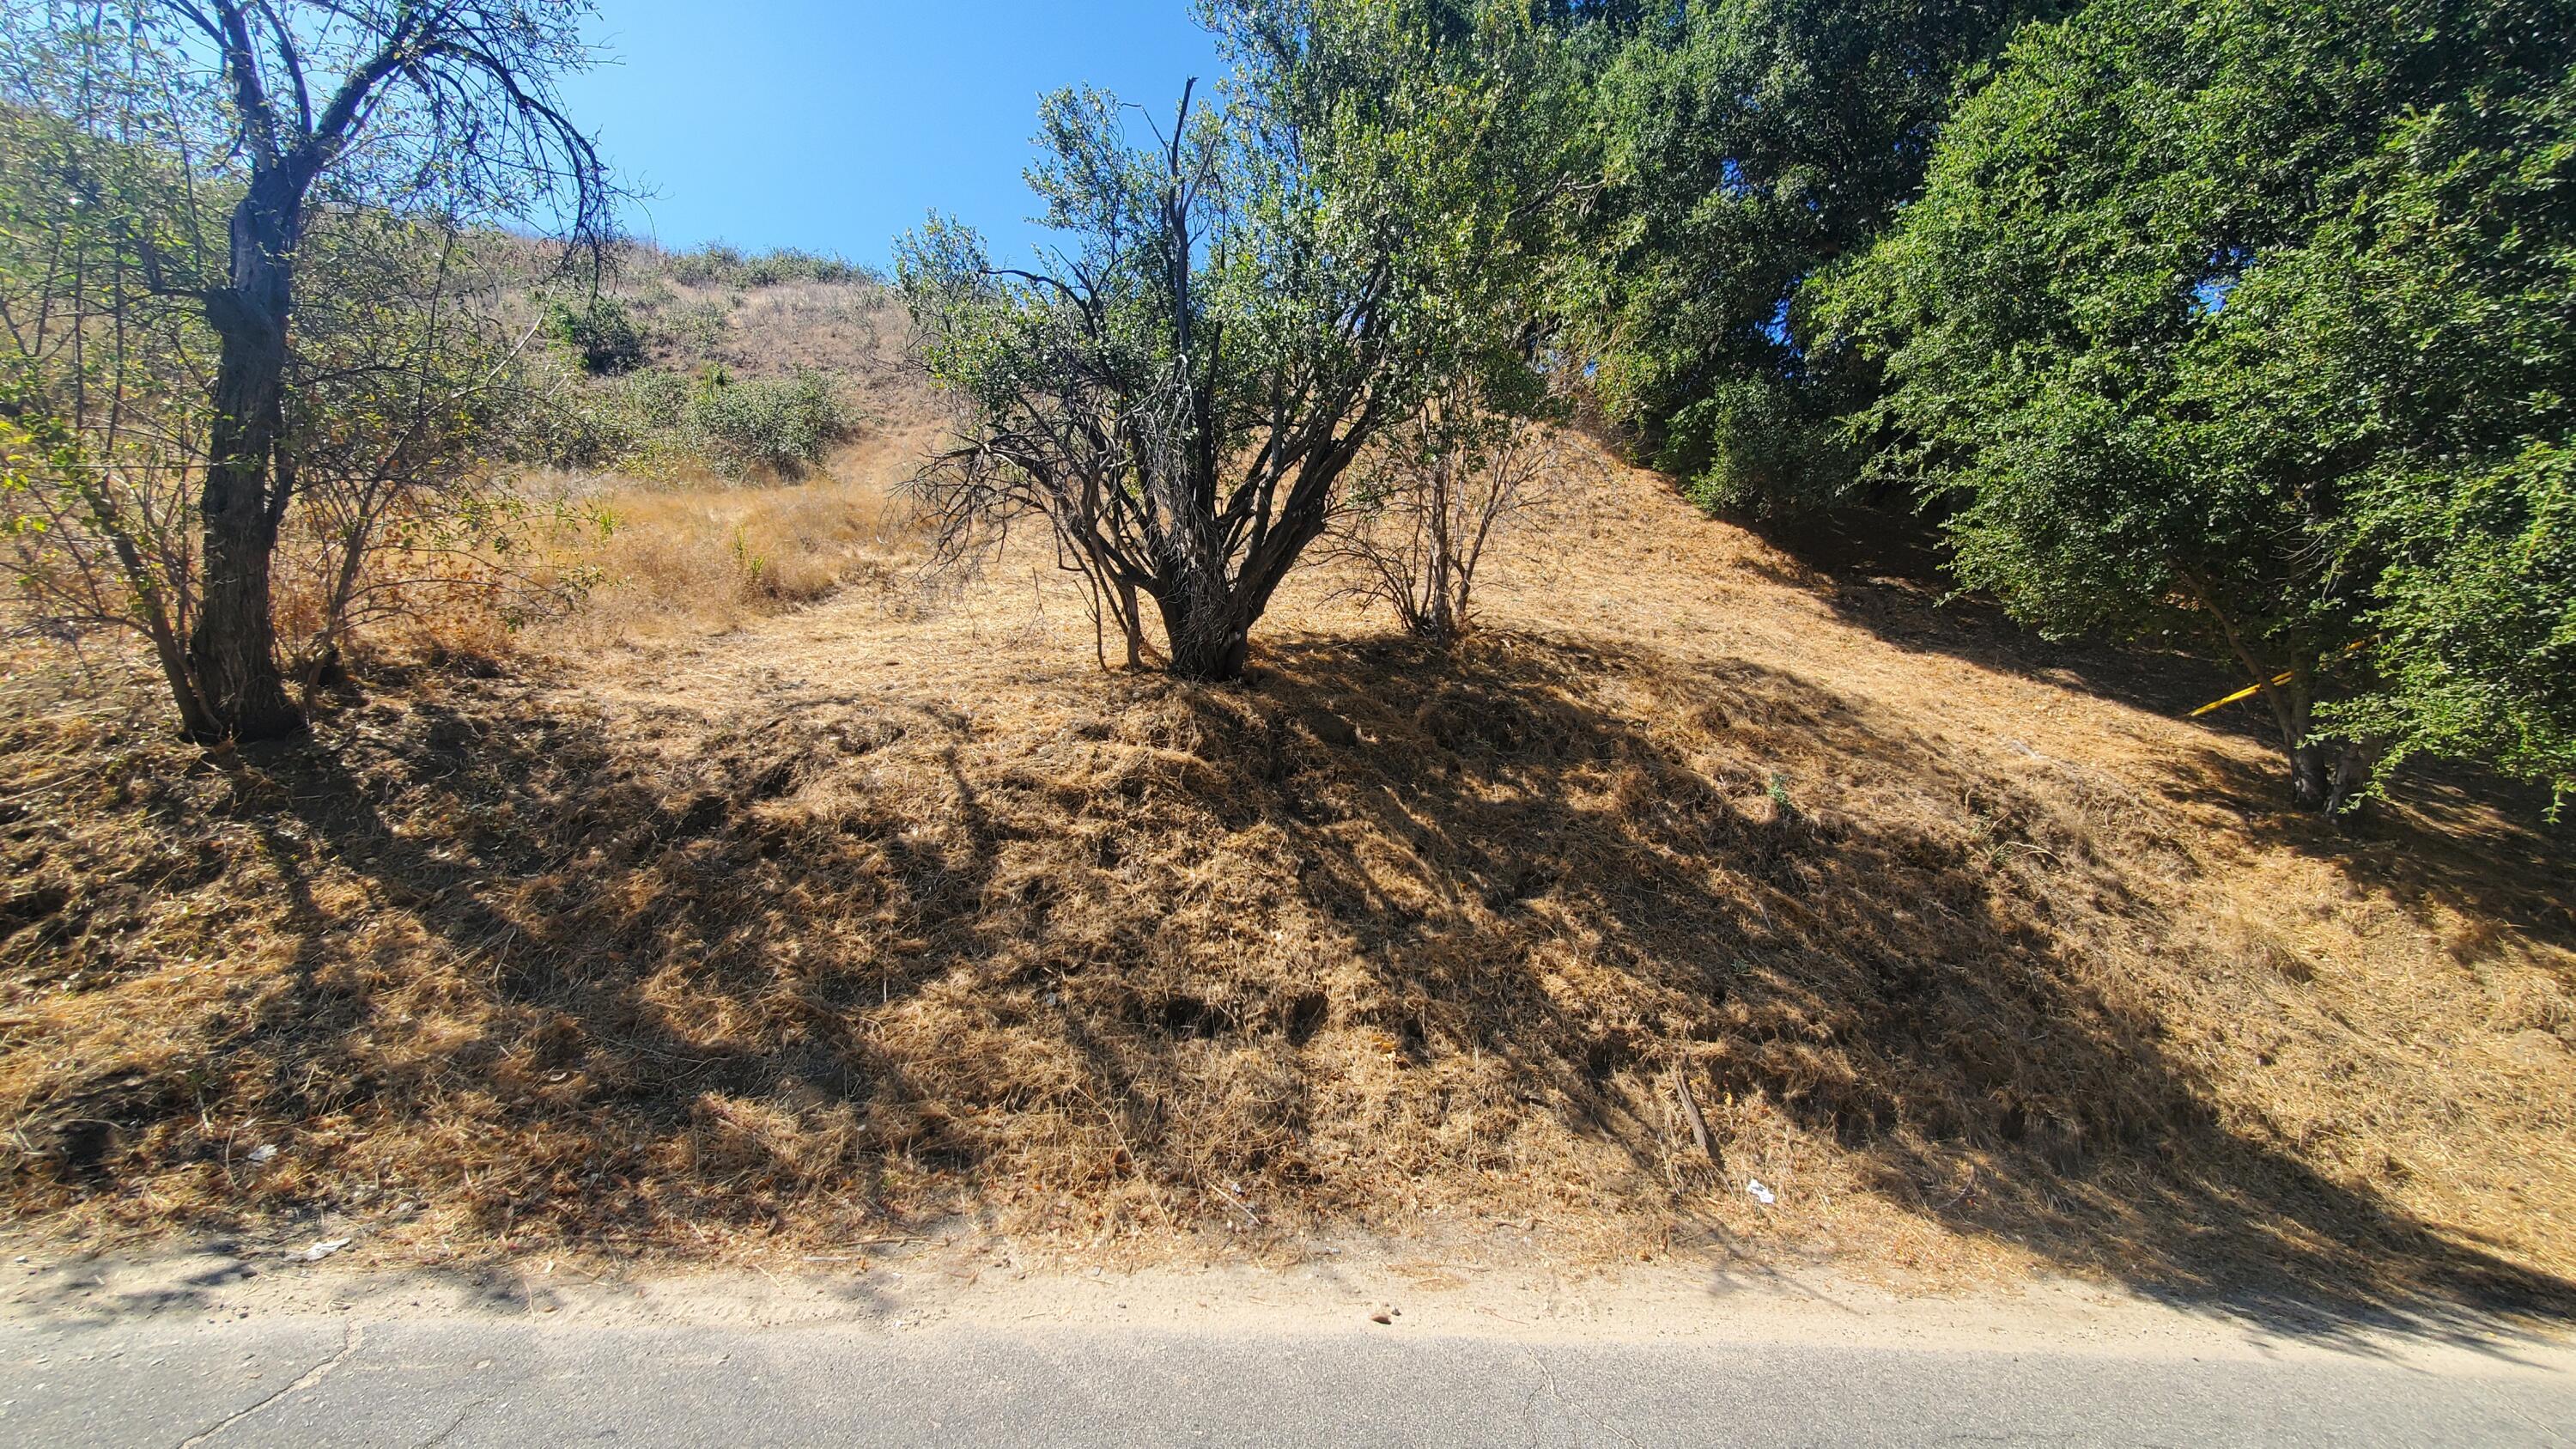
[719,265]
[658,422]
[2248,322]
[599,331]
[1730,151]
[775,426]
[2476,617]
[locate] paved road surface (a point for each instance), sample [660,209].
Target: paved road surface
[955,1339]
[333,1379]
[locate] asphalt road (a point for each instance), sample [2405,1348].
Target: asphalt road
[283,1380]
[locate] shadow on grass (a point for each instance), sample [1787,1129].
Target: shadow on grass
[1159,952]
[2449,832]
[2449,843]
[1909,988]
[1884,571]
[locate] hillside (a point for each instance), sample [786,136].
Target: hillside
[757,925]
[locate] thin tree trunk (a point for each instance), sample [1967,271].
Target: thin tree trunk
[1131,623]
[2292,703]
[232,655]
[2353,764]
[1442,622]
[2312,761]
[2311,774]
[172,655]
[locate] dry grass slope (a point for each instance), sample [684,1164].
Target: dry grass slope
[758,937]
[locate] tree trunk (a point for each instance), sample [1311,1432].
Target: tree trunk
[2353,765]
[1207,643]
[2322,770]
[1437,622]
[232,655]
[1132,624]
[172,653]
[2311,774]
[1209,625]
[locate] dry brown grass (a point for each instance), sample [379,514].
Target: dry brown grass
[867,910]
[854,331]
[700,555]
[693,554]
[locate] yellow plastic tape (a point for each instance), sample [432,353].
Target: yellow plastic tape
[2249,691]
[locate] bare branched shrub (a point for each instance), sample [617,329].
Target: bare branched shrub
[1422,506]
[1236,312]
[99,441]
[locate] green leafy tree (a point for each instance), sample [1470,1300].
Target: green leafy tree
[2475,614]
[2245,323]
[1733,150]
[275,116]
[400,384]
[1239,307]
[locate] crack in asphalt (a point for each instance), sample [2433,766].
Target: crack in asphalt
[1558,1394]
[310,1377]
[441,1436]
[467,1412]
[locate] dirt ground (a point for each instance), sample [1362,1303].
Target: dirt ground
[1491,1281]
[1979,960]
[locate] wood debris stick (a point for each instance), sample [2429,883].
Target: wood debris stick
[1698,1123]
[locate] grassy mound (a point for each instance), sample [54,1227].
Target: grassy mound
[860,919]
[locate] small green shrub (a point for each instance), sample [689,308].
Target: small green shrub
[700,326]
[719,265]
[777,427]
[707,266]
[658,400]
[601,333]
[580,428]
[658,422]
[747,562]
[1760,452]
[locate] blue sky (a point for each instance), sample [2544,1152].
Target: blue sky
[835,126]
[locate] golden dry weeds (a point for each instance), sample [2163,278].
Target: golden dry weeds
[725,923]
